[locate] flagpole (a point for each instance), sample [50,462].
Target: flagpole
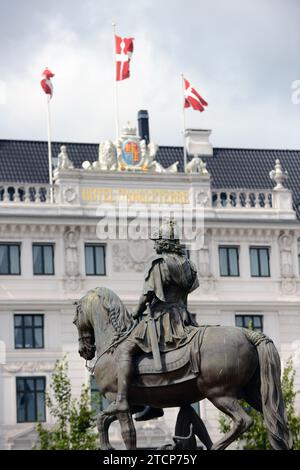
[116,82]
[183,124]
[49,149]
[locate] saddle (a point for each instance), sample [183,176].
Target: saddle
[178,366]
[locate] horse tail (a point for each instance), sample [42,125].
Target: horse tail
[271,395]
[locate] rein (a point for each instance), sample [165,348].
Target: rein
[92,369]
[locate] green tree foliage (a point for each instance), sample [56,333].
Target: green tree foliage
[256,438]
[74,427]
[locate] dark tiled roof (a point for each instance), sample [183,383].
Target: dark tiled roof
[27,161]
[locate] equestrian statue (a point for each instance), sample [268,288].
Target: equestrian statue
[158,357]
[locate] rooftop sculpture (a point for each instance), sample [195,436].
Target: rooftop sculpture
[128,153]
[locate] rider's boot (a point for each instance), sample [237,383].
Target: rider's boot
[149,413]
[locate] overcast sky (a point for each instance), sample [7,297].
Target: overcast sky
[241,55]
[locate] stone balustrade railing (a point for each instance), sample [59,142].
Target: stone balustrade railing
[24,193]
[221,198]
[242,198]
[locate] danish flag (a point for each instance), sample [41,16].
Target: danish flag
[192,98]
[124,50]
[46,82]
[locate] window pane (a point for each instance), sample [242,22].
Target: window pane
[264,262]
[40,384]
[29,385]
[254,262]
[99,260]
[257,321]
[93,384]
[89,260]
[223,262]
[28,338]
[20,407]
[28,320]
[248,322]
[18,320]
[38,320]
[31,401]
[104,403]
[37,260]
[20,385]
[38,338]
[30,406]
[19,338]
[233,262]
[40,406]
[48,260]
[4,259]
[14,259]
[239,321]
[29,332]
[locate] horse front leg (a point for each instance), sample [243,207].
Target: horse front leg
[128,431]
[103,423]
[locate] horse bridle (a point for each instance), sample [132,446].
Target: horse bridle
[90,347]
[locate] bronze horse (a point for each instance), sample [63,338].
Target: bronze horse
[231,363]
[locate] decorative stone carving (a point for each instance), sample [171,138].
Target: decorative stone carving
[131,257]
[202,198]
[207,285]
[64,163]
[128,153]
[87,165]
[71,237]
[138,251]
[73,284]
[196,165]
[204,269]
[288,286]
[14,367]
[70,194]
[107,157]
[149,153]
[278,176]
[285,242]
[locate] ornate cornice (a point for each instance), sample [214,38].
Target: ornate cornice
[14,367]
[239,234]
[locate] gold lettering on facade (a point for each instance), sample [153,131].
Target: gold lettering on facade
[142,196]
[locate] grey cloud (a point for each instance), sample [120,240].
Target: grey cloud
[243,55]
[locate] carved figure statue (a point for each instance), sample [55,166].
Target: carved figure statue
[149,151]
[107,157]
[286,259]
[71,253]
[196,165]
[158,357]
[64,163]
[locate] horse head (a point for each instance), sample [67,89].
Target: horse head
[101,318]
[86,337]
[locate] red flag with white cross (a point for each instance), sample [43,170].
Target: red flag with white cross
[124,50]
[46,83]
[192,98]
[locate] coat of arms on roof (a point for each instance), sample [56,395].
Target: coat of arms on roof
[128,153]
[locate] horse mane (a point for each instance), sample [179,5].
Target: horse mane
[118,315]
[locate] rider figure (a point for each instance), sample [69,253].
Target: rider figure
[168,281]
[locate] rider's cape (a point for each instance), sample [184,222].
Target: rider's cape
[170,277]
